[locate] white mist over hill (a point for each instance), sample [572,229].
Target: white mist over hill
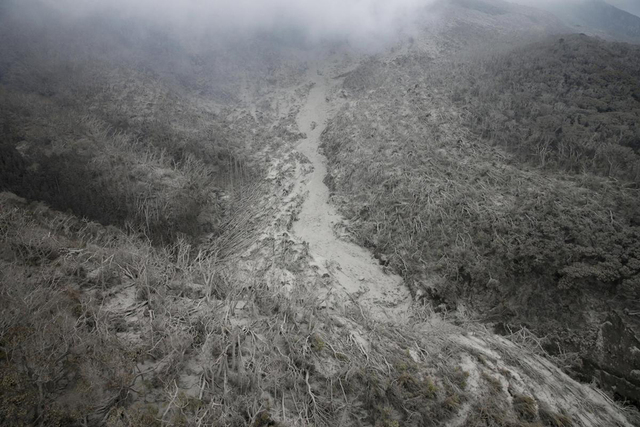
[362,22]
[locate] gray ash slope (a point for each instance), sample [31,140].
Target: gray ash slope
[193,266]
[505,184]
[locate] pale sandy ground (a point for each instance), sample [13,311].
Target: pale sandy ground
[354,268]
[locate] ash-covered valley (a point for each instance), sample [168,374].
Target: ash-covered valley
[420,213]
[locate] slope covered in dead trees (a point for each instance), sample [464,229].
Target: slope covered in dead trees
[134,133]
[153,271]
[505,186]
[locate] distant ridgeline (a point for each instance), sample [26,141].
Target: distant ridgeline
[597,17]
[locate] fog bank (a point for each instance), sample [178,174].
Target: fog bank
[358,21]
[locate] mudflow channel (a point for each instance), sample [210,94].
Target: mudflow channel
[353,268]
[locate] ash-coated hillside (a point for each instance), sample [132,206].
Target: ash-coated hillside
[299,213]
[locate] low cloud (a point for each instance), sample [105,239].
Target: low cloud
[360,21]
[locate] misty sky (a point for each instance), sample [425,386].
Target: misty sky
[363,22]
[357,20]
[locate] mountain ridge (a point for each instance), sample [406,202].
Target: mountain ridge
[598,18]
